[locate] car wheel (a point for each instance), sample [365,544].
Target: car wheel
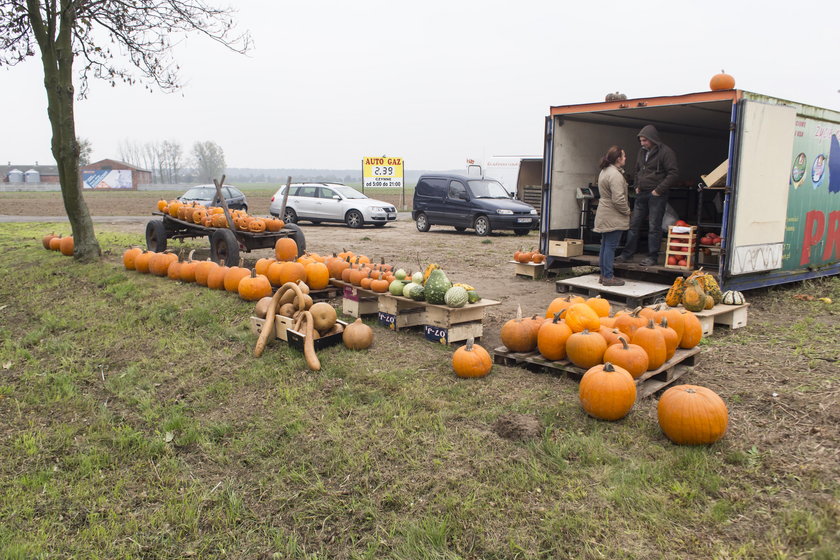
[422,222]
[482,226]
[289,216]
[460,228]
[156,236]
[224,247]
[354,219]
[521,231]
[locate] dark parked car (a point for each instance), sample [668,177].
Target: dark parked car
[206,195]
[470,202]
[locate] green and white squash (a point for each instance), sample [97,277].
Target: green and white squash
[731,297]
[396,287]
[436,286]
[417,292]
[407,288]
[456,296]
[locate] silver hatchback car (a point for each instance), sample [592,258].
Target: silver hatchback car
[331,202]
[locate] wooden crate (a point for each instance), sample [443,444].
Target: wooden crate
[531,270]
[566,248]
[356,301]
[680,240]
[439,322]
[281,325]
[734,316]
[682,362]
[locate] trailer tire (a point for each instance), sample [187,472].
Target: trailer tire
[298,237]
[224,247]
[156,236]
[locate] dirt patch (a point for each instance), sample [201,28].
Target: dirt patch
[518,426]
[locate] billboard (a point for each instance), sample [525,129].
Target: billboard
[382,172]
[107,179]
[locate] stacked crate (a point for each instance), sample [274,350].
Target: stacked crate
[681,246]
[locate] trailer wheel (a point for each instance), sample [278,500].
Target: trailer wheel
[299,238]
[224,247]
[156,236]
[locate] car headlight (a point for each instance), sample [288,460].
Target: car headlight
[377,209]
[533,211]
[502,211]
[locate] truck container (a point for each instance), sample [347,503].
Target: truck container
[760,173]
[520,175]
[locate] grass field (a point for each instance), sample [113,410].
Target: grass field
[137,424]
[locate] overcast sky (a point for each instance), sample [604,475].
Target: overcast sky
[435,82]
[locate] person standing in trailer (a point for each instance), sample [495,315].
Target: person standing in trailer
[656,172]
[612,216]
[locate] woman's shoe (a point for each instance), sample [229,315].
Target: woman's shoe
[612,281]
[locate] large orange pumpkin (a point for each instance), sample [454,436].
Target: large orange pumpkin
[552,337]
[607,392]
[586,349]
[66,246]
[631,357]
[692,415]
[692,330]
[518,335]
[317,275]
[286,249]
[653,341]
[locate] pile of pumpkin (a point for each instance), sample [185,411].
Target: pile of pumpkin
[250,284]
[214,216]
[528,257]
[700,291]
[55,242]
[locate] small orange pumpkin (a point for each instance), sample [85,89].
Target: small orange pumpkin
[721,81]
[471,360]
[552,338]
[586,349]
[518,335]
[285,249]
[129,255]
[66,246]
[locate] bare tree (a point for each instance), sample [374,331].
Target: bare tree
[171,156]
[131,152]
[85,149]
[65,31]
[209,160]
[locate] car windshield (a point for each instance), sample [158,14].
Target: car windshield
[347,192]
[200,192]
[486,188]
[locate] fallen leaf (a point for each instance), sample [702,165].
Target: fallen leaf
[168,437]
[7,365]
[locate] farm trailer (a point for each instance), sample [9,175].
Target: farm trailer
[776,206]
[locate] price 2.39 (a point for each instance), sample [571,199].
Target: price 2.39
[383,170]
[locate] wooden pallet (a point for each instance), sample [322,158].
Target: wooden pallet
[329,292]
[632,294]
[682,362]
[535,271]
[735,316]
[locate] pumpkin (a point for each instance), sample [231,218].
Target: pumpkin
[692,331]
[672,339]
[129,255]
[280,272]
[174,270]
[66,246]
[380,285]
[631,357]
[219,221]
[55,243]
[585,349]
[692,415]
[357,335]
[254,287]
[45,241]
[317,275]
[580,316]
[471,360]
[675,319]
[552,337]
[202,271]
[216,278]
[721,81]
[731,297]
[599,305]
[629,322]
[518,335]
[611,335]
[285,249]
[607,392]
[161,204]
[187,269]
[653,342]
[274,224]
[233,276]
[257,225]
[561,303]
[159,263]
[141,262]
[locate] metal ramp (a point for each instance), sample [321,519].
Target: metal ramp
[633,293]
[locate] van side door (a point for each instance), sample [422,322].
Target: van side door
[457,205]
[430,197]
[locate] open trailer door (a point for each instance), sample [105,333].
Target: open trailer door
[759,215]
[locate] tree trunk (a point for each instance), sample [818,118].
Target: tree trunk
[57,58]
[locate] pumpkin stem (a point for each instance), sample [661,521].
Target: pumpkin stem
[624,343]
[609,367]
[557,316]
[189,257]
[518,312]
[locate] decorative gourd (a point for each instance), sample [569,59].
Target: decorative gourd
[552,337]
[631,357]
[607,392]
[674,296]
[711,287]
[694,297]
[731,297]
[456,297]
[585,349]
[516,334]
[436,286]
[396,287]
[471,360]
[692,330]
[357,335]
[581,317]
[721,81]
[653,342]
[692,415]
[417,293]
[428,272]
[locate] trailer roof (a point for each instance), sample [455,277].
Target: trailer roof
[710,111]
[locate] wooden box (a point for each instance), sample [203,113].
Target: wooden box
[716,178]
[296,339]
[281,325]
[565,248]
[677,242]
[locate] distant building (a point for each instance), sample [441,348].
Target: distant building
[28,173]
[113,174]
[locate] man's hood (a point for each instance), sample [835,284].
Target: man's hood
[649,131]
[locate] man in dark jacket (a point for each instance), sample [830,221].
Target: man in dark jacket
[656,173]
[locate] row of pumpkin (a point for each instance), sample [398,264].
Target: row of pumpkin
[64,245]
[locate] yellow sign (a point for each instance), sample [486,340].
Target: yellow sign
[380,172]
